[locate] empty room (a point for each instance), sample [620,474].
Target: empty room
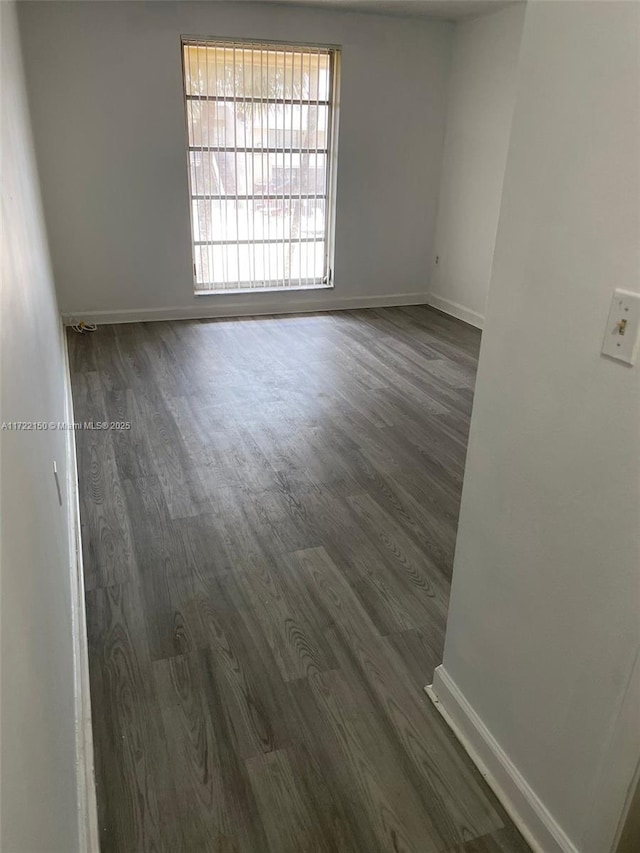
[320,446]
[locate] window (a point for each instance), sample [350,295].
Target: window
[260,127]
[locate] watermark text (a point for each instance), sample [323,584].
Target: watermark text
[44,426]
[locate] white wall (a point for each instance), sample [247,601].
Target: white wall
[106,94]
[481,98]
[544,627]
[38,767]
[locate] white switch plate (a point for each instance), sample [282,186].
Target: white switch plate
[623,325]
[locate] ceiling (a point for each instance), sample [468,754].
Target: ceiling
[448,10]
[445,9]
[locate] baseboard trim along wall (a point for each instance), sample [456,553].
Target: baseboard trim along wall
[247,308]
[456,310]
[88,835]
[527,811]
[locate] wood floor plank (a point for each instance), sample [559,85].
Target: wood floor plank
[381,793]
[290,825]
[133,451]
[164,572]
[267,555]
[503,841]
[131,765]
[436,535]
[376,572]
[289,624]
[216,808]
[421,650]
[107,541]
[419,574]
[251,686]
[192,747]
[459,807]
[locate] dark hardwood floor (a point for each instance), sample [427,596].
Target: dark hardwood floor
[267,554]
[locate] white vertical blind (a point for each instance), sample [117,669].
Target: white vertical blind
[259,125]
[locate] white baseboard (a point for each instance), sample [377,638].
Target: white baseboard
[254,306]
[537,825]
[86,790]
[456,310]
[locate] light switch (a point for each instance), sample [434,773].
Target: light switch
[621,335]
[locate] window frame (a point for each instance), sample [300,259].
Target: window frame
[334,52]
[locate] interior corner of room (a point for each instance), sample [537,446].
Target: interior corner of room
[320,446]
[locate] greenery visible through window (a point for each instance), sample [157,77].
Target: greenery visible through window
[260,125]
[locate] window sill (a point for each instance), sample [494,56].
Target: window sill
[259,290]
